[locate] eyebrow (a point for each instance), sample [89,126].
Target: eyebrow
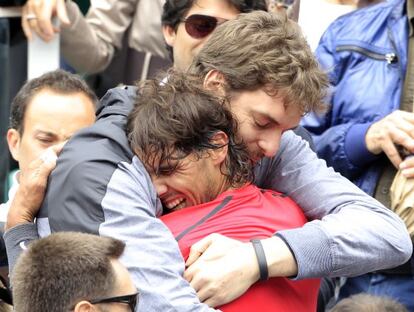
[266,116]
[44,132]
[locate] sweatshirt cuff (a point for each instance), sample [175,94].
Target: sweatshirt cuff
[17,239]
[355,147]
[311,249]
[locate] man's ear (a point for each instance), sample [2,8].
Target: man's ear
[13,140]
[214,81]
[219,155]
[169,35]
[84,306]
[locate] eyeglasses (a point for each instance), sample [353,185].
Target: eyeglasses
[130,300]
[200,26]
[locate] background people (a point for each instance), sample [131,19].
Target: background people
[370,121]
[47,110]
[368,303]
[73,272]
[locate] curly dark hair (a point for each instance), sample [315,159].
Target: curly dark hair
[175,10]
[175,118]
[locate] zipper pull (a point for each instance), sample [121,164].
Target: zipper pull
[391,58]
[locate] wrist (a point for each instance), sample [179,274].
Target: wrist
[280,260]
[253,265]
[15,215]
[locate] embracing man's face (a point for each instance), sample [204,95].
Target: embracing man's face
[262,118]
[188,181]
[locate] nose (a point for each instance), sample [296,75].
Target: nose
[269,144]
[160,186]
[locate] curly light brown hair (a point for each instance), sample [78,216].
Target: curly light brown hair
[261,49]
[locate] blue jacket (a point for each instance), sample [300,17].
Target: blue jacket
[365,54]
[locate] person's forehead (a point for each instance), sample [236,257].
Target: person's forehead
[47,101]
[50,109]
[218,8]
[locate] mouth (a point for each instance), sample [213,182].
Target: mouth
[176,204]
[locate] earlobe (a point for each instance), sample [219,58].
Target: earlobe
[214,81]
[169,35]
[84,306]
[13,140]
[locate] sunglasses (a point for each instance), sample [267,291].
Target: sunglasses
[130,300]
[200,26]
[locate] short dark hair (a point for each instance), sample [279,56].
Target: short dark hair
[175,10]
[179,116]
[368,303]
[58,81]
[62,269]
[265,50]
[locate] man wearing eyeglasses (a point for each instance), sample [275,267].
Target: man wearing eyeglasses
[73,272]
[100,187]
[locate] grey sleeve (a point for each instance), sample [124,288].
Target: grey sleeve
[17,239]
[350,232]
[89,43]
[152,255]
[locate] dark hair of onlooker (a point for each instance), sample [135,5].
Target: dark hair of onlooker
[368,303]
[58,271]
[58,81]
[175,118]
[275,55]
[175,10]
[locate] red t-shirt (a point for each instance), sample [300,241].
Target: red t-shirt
[244,214]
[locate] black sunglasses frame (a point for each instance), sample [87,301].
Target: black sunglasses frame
[195,25]
[131,300]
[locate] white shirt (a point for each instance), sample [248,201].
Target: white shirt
[4,208]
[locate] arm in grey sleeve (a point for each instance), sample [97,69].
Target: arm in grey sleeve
[350,232]
[17,239]
[88,43]
[152,255]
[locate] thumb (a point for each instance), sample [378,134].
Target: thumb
[61,12]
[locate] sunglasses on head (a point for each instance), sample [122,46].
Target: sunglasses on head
[199,26]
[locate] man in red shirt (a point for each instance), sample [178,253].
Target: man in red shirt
[185,137]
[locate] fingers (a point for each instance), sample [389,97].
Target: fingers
[37,16]
[396,129]
[407,167]
[391,151]
[62,13]
[25,24]
[198,249]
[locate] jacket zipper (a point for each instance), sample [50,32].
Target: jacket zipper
[390,58]
[391,37]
